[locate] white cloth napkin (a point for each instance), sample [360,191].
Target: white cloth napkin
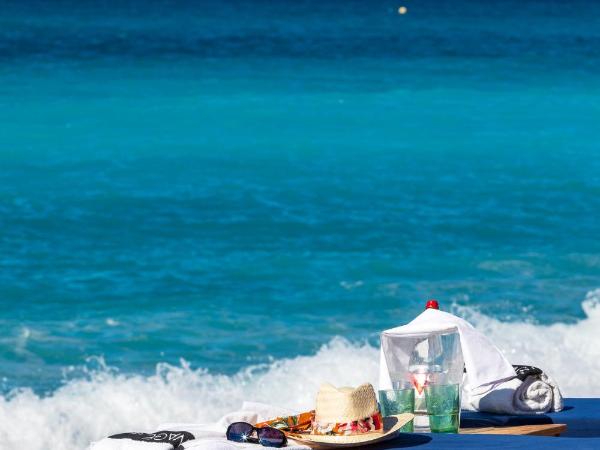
[490,383]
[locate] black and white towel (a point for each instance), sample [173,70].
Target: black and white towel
[190,436]
[159,440]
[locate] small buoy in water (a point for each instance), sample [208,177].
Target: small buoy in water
[402,10]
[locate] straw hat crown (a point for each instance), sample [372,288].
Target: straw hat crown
[345,404]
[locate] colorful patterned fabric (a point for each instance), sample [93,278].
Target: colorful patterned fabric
[306,422]
[300,422]
[366,425]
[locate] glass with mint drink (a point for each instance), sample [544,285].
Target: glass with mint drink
[443,407]
[398,401]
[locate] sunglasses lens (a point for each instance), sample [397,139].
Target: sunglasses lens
[271,437]
[239,432]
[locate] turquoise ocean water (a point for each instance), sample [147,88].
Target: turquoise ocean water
[199,196]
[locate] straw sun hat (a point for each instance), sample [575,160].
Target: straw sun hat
[349,417]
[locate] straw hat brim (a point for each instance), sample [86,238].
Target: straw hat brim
[391,427]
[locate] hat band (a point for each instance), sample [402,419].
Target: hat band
[366,425]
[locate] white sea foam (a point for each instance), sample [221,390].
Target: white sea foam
[107,402]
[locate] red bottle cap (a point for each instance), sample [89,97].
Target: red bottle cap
[433,304]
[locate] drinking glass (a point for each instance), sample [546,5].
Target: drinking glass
[443,407]
[398,401]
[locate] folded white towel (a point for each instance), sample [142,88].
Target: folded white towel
[490,383]
[224,444]
[211,444]
[212,436]
[127,444]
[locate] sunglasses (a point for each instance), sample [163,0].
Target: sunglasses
[267,436]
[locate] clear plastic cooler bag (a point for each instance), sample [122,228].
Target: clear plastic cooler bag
[427,359]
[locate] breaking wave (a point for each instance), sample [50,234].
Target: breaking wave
[106,401]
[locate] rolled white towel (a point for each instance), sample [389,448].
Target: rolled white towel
[535,395]
[538,395]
